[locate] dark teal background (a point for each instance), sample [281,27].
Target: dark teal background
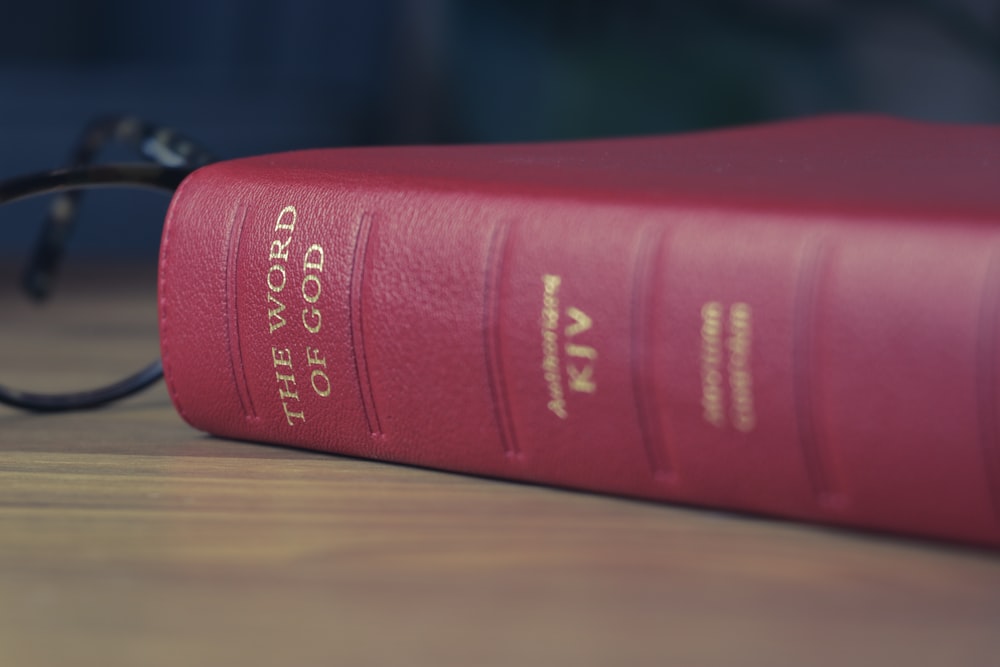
[255,77]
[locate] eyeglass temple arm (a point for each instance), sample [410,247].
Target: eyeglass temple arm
[158,144]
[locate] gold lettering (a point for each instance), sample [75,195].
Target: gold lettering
[311,295]
[710,401]
[274,319]
[313,358]
[290,415]
[740,372]
[317,320]
[581,351]
[281,357]
[550,302]
[310,261]
[581,322]
[290,224]
[279,250]
[581,380]
[324,390]
[280,271]
[711,360]
[286,381]
[319,376]
[558,407]
[277,278]
[550,345]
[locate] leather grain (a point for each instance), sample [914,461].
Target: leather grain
[797,319]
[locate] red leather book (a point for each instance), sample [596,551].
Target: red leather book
[799,319]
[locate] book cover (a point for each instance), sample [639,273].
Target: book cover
[796,319]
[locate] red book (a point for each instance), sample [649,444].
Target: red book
[799,319]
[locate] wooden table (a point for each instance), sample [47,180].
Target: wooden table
[128,538]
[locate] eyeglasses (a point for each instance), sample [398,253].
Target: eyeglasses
[172,157]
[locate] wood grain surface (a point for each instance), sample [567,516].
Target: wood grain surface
[128,538]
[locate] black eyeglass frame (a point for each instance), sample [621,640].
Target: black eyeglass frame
[78,178]
[172,156]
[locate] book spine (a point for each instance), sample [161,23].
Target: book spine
[824,369]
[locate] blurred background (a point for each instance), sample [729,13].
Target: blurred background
[247,77]
[255,76]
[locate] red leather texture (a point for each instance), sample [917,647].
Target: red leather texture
[798,319]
